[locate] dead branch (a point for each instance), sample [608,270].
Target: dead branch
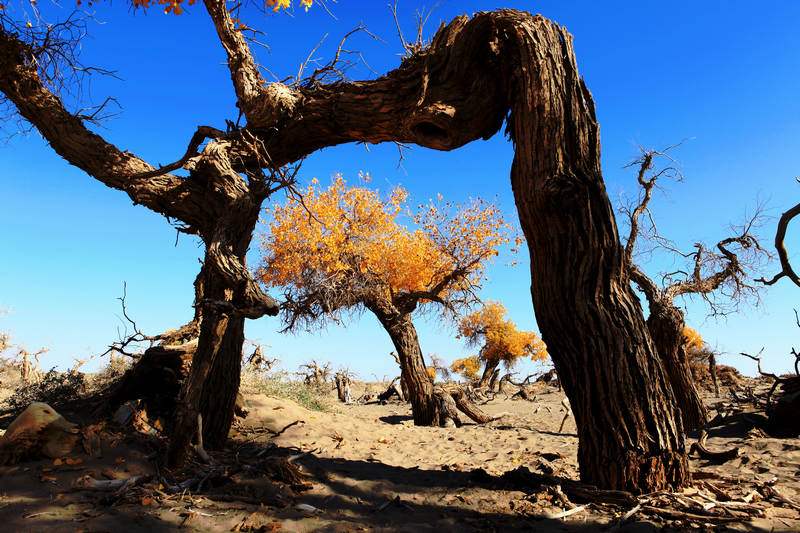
[776,379]
[259,362]
[119,486]
[780,246]
[718,274]
[391,390]
[314,374]
[700,449]
[466,406]
[567,414]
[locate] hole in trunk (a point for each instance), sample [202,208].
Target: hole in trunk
[430,131]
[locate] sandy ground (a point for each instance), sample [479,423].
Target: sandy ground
[370,469]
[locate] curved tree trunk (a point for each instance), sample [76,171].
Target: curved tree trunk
[213,382]
[491,365]
[629,432]
[412,368]
[665,325]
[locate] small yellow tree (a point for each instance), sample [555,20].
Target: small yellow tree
[343,249]
[467,367]
[499,338]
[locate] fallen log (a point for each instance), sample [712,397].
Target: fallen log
[465,405]
[391,391]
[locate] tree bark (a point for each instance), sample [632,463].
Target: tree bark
[491,365]
[630,435]
[213,382]
[666,325]
[412,365]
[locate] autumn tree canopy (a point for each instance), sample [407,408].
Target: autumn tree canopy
[499,339]
[468,367]
[342,249]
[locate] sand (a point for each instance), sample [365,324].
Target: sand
[370,469]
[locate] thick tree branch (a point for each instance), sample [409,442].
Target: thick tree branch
[166,194]
[783,255]
[247,80]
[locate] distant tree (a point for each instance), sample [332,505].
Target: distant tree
[439,366]
[499,339]
[343,249]
[720,275]
[468,367]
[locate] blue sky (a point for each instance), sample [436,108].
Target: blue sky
[717,72]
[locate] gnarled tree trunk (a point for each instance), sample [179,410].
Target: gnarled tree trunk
[488,372]
[630,435]
[666,325]
[412,366]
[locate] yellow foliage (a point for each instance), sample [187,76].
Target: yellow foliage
[431,372]
[468,367]
[349,238]
[692,340]
[501,339]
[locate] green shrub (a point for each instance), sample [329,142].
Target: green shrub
[280,385]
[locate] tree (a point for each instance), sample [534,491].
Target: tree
[468,367]
[499,338]
[476,73]
[719,276]
[342,249]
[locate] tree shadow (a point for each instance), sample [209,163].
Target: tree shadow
[395,419]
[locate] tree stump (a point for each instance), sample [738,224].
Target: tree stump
[446,408]
[155,379]
[343,387]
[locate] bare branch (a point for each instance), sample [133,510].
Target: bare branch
[783,255]
[724,270]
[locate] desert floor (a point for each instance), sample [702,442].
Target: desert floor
[368,468]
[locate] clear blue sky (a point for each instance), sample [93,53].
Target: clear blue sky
[660,72]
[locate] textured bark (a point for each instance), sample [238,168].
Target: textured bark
[629,432]
[412,366]
[213,382]
[666,325]
[447,412]
[468,407]
[488,372]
